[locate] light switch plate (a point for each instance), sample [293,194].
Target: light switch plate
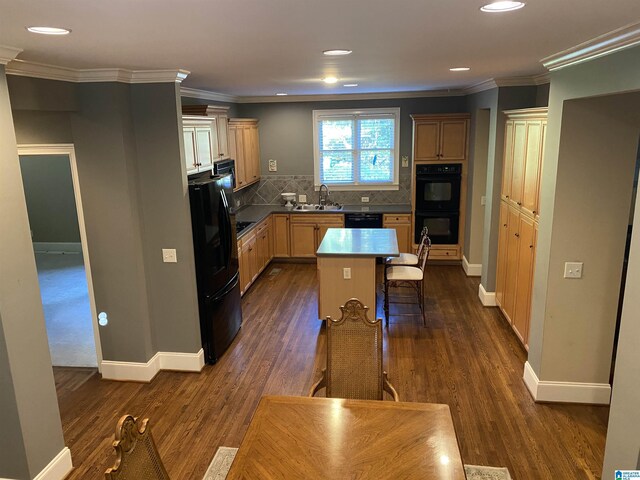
[273,165]
[302,198]
[169,255]
[573,270]
[405,161]
[364,199]
[346,273]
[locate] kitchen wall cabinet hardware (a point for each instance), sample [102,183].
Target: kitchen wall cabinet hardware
[440,137]
[402,225]
[308,230]
[220,115]
[200,143]
[244,147]
[519,214]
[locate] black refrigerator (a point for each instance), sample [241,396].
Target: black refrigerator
[216,257]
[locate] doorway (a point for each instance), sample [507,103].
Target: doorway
[54,206]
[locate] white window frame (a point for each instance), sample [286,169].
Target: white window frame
[354,113]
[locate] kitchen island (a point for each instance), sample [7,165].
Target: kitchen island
[347,266]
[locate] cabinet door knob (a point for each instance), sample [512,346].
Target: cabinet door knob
[504,224]
[535,212]
[506,196]
[530,246]
[517,234]
[519,203]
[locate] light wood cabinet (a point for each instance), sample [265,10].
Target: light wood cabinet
[255,251]
[308,230]
[402,225]
[519,213]
[244,148]
[281,235]
[440,137]
[200,141]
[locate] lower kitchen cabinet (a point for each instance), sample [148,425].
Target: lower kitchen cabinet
[402,225]
[255,251]
[308,230]
[281,235]
[516,256]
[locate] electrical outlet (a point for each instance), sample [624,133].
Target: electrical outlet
[364,199]
[273,165]
[405,161]
[573,270]
[302,198]
[483,200]
[346,273]
[169,255]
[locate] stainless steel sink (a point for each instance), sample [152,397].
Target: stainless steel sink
[315,207]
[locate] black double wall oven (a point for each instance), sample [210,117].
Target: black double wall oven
[437,202]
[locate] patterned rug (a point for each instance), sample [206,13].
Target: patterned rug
[223,458]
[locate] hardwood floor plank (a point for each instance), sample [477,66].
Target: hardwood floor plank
[467,357]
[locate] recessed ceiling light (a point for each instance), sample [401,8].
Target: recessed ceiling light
[502,6]
[49,30]
[282,94]
[337,51]
[459,69]
[330,80]
[350,85]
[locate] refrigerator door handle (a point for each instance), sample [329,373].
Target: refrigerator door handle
[228,225]
[232,284]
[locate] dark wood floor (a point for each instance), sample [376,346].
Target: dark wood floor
[467,357]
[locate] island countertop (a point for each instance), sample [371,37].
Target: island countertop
[359,242]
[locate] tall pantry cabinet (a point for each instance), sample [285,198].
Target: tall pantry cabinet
[519,214]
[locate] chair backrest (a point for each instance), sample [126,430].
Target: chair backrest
[354,354]
[423,235]
[137,457]
[423,255]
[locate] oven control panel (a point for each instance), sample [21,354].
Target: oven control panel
[439,169]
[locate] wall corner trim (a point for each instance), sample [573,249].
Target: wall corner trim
[8,53]
[565,392]
[471,269]
[624,37]
[58,468]
[488,299]
[144,372]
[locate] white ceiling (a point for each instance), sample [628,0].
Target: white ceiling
[260,47]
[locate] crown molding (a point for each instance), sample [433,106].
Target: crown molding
[481,87]
[8,54]
[207,95]
[606,44]
[353,96]
[93,75]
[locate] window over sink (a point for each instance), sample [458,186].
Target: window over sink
[356,149]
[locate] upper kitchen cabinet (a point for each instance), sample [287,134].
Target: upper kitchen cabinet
[244,147]
[220,117]
[440,137]
[524,145]
[200,143]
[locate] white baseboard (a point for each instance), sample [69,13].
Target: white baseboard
[144,372]
[488,299]
[58,468]
[565,392]
[57,247]
[471,269]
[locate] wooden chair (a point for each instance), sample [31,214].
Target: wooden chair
[354,357]
[410,259]
[137,457]
[401,275]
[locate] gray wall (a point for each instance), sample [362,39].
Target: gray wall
[286,129]
[28,404]
[132,183]
[48,189]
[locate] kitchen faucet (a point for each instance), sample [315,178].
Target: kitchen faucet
[323,200]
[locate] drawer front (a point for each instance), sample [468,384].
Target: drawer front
[443,253]
[316,218]
[398,218]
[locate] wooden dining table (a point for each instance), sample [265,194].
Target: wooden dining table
[329,438]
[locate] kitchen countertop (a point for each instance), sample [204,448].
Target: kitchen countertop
[257,213]
[359,242]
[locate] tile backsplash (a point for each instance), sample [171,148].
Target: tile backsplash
[268,191]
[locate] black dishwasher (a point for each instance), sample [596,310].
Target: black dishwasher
[363,220]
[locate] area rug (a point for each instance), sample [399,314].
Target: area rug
[223,458]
